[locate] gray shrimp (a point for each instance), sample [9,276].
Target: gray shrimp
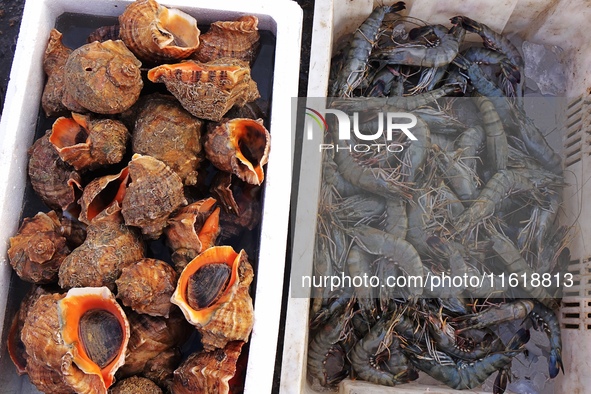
[497,147]
[327,362]
[492,194]
[396,221]
[514,263]
[360,208]
[358,266]
[444,336]
[377,358]
[416,154]
[355,64]
[378,242]
[491,57]
[469,144]
[494,315]
[422,56]
[460,178]
[333,177]
[478,79]
[464,374]
[545,317]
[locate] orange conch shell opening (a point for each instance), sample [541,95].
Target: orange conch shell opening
[216,299]
[84,309]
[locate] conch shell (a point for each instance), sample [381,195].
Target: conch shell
[109,246]
[166,131]
[54,181]
[102,193]
[38,249]
[191,230]
[146,286]
[154,193]
[212,292]
[54,61]
[135,385]
[208,90]
[155,33]
[208,372]
[103,77]
[75,342]
[237,39]
[240,146]
[87,143]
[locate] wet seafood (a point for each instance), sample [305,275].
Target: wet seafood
[167,132]
[56,183]
[240,146]
[208,90]
[208,372]
[102,77]
[146,286]
[109,245]
[191,230]
[237,39]
[213,294]
[155,33]
[75,341]
[134,385]
[102,193]
[88,143]
[38,248]
[154,192]
[54,61]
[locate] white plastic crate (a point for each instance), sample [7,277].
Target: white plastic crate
[560,23]
[17,128]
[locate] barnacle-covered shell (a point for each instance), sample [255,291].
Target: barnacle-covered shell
[54,181]
[237,39]
[208,90]
[102,193]
[109,245]
[135,385]
[38,248]
[103,77]
[87,143]
[150,337]
[191,230]
[208,372]
[155,33]
[212,292]
[240,146]
[146,286]
[95,329]
[167,132]
[75,342]
[54,61]
[154,193]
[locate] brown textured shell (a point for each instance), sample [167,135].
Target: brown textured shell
[208,90]
[240,146]
[247,199]
[237,39]
[135,385]
[87,143]
[167,132]
[155,33]
[154,193]
[38,248]
[191,230]
[146,286]
[160,369]
[104,33]
[150,336]
[54,61]
[231,316]
[53,180]
[109,245]
[101,193]
[208,372]
[103,77]
[50,362]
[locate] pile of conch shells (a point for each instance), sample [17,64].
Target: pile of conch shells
[151,177]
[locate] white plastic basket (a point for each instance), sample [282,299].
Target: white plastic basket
[545,22]
[17,128]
